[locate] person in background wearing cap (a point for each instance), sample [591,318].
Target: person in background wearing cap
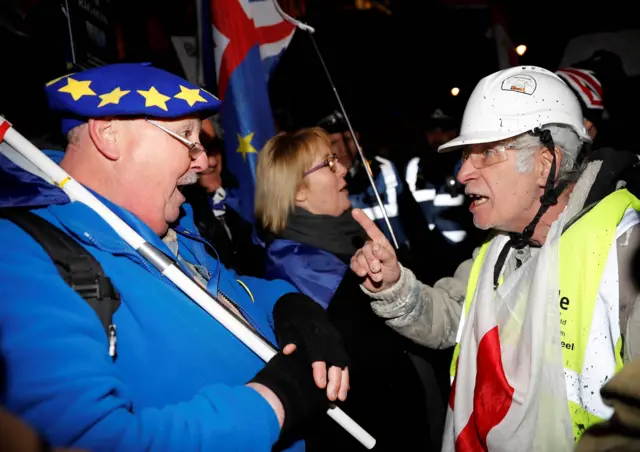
[216,220]
[178,380]
[606,97]
[431,178]
[385,175]
[588,89]
[542,316]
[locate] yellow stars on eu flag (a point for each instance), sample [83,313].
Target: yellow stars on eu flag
[190,96]
[245,146]
[77,89]
[113,97]
[153,98]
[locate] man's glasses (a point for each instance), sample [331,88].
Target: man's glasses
[195,149]
[331,162]
[481,158]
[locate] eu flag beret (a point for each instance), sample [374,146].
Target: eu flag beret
[126,89]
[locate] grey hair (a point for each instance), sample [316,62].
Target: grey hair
[564,138]
[73,135]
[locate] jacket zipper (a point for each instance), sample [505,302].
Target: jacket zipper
[150,269]
[216,274]
[252,323]
[144,263]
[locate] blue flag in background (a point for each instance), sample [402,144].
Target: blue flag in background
[249,38]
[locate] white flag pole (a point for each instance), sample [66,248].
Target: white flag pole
[29,157]
[311,31]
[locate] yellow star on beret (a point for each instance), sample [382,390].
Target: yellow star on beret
[126,90]
[113,97]
[77,89]
[191,96]
[153,98]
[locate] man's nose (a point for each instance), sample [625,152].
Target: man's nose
[467,172]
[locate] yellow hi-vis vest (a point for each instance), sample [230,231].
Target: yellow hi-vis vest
[589,322]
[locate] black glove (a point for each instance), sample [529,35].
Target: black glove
[299,320]
[291,379]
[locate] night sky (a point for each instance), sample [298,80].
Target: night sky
[388,69]
[404,65]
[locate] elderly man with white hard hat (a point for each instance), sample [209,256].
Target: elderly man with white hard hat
[541,315]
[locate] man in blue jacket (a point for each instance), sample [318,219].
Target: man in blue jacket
[179,380]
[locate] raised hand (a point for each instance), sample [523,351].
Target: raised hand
[376,261]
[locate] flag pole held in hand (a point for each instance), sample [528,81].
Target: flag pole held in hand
[24,154]
[311,31]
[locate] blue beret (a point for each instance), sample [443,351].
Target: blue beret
[126,89]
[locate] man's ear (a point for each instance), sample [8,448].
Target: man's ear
[105,135]
[546,160]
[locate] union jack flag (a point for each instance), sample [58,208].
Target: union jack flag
[249,36]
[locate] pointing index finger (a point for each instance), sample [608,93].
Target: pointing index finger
[374,233]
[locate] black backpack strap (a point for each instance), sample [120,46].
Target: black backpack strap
[79,269]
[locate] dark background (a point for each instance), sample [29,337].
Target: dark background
[390,70]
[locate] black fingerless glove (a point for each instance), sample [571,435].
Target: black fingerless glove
[299,320]
[290,377]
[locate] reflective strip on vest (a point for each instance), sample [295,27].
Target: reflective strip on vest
[411,176]
[588,303]
[390,182]
[455,236]
[429,194]
[446,200]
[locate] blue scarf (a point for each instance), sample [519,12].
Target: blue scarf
[313,253]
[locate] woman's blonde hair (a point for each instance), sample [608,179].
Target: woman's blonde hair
[280,173]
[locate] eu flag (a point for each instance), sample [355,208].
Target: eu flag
[249,38]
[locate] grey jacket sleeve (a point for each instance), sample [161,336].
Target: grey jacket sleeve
[426,315]
[430,315]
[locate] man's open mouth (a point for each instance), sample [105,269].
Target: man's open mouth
[477,199]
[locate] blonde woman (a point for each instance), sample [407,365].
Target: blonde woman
[303,204]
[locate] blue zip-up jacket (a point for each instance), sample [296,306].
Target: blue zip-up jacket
[178,382]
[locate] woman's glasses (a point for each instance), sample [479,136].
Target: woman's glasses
[331,162]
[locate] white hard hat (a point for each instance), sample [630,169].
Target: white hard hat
[516,100]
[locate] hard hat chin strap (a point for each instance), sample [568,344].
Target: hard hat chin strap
[551,190]
[549,198]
